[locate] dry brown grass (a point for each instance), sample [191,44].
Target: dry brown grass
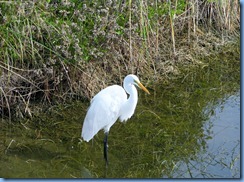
[56,50]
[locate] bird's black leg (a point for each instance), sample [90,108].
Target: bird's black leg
[106,148]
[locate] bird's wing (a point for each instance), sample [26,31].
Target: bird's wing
[104,111]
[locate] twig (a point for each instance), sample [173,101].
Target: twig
[9,145]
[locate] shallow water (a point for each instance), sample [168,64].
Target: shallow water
[220,158]
[188,127]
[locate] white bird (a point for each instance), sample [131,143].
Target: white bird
[108,105]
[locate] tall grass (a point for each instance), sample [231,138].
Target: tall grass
[64,49]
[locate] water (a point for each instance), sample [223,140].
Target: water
[188,127]
[221,156]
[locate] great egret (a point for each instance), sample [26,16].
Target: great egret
[108,105]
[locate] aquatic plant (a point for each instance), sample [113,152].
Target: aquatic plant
[57,50]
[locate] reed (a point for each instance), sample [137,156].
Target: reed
[52,51]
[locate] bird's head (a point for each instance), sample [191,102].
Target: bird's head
[134,80]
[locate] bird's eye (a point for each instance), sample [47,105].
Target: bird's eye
[135,83]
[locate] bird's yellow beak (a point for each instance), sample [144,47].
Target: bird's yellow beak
[142,87]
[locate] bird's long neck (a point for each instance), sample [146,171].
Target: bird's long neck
[129,106]
[133,98]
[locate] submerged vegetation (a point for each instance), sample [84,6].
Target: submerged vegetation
[54,50]
[169,129]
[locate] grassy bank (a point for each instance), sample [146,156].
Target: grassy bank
[58,50]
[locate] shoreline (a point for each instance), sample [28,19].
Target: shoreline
[53,53]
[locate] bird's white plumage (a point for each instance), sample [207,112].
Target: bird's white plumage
[110,104]
[104,111]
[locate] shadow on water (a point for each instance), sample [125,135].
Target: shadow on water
[188,127]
